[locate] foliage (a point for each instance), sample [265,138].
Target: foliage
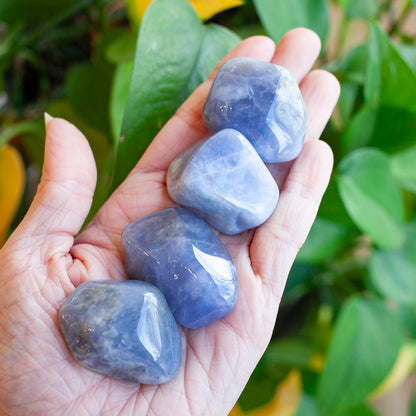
[349,307]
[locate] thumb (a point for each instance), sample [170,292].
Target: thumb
[66,189]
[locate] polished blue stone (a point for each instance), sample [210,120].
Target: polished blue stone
[122,329]
[180,254]
[225,182]
[263,102]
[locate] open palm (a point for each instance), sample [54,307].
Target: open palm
[42,262]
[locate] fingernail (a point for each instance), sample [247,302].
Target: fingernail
[48,118]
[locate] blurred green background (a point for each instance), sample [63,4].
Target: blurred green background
[344,342]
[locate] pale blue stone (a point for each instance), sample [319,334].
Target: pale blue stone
[263,102]
[225,182]
[122,329]
[179,253]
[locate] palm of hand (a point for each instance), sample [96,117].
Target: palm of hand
[45,264]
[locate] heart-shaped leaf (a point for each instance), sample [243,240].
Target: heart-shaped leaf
[175,52]
[371,196]
[404,168]
[390,80]
[361,9]
[279,16]
[363,349]
[393,272]
[325,239]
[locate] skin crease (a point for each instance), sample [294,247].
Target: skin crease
[42,262]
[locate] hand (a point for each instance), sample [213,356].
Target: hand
[42,262]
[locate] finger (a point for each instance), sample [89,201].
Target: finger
[259,47]
[276,243]
[320,91]
[65,192]
[297,51]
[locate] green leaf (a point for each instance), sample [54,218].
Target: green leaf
[288,352]
[363,349]
[119,94]
[8,41]
[174,53]
[351,67]
[299,281]
[404,168]
[389,128]
[36,11]
[332,208]
[387,120]
[279,16]
[390,80]
[363,9]
[325,239]
[407,316]
[100,146]
[371,196]
[216,43]
[122,48]
[88,90]
[347,100]
[358,410]
[350,71]
[24,127]
[408,53]
[393,272]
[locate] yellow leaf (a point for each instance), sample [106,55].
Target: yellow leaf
[209,8]
[12,181]
[204,8]
[285,401]
[404,365]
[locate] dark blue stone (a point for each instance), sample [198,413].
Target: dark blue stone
[225,182]
[179,253]
[263,102]
[122,329]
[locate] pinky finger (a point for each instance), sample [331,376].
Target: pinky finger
[276,243]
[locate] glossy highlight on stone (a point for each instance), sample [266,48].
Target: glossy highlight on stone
[179,253]
[225,182]
[262,101]
[122,329]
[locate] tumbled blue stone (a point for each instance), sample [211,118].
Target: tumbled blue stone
[122,329]
[180,254]
[263,102]
[225,182]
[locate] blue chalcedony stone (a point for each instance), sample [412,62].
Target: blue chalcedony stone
[179,253]
[225,182]
[263,102]
[122,329]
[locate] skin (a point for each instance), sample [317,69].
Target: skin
[45,260]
